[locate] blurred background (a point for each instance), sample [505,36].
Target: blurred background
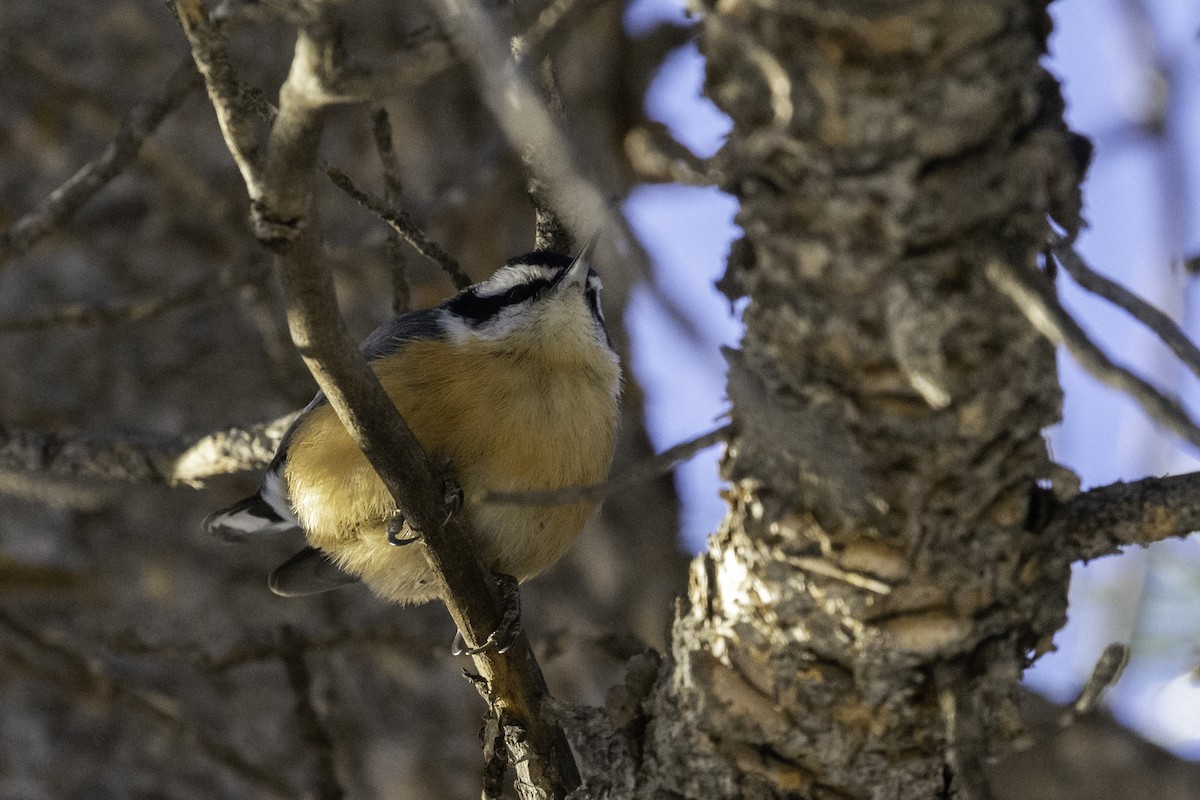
[133,649]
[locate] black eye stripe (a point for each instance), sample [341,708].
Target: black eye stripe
[478,309]
[524,291]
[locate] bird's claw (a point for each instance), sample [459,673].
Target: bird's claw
[395,527]
[452,493]
[506,632]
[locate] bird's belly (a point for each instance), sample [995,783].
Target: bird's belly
[495,441]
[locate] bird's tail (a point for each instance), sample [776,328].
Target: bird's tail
[252,516]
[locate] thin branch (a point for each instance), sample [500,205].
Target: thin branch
[529,125]
[1159,323]
[636,475]
[173,460]
[549,231]
[1105,674]
[402,223]
[289,225]
[1035,298]
[323,778]
[84,674]
[60,206]
[397,263]
[1101,521]
[233,106]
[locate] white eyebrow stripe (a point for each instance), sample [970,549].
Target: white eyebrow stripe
[511,276]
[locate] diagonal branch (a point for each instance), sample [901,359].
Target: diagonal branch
[529,125]
[1101,521]
[402,224]
[232,105]
[1159,323]
[287,222]
[1035,298]
[381,127]
[58,209]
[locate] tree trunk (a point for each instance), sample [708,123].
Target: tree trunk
[861,618]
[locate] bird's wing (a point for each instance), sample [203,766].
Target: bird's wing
[308,572]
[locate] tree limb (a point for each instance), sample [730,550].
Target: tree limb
[228,100]
[1101,521]
[172,460]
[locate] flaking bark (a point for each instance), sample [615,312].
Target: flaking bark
[881,158]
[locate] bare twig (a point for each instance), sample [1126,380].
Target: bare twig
[1102,520]
[234,108]
[549,231]
[397,263]
[1035,298]
[78,672]
[511,97]
[1154,319]
[412,67]
[187,460]
[58,209]
[1105,674]
[290,227]
[323,779]
[637,474]
[402,223]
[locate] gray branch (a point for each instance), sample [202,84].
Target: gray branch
[1159,323]
[1101,521]
[402,224]
[172,460]
[529,125]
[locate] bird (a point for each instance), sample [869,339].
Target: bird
[512,381]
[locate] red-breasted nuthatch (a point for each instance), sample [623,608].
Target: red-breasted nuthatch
[513,380]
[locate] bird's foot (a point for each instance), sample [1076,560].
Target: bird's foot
[395,527]
[452,493]
[510,622]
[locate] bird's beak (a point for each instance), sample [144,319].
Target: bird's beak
[577,273]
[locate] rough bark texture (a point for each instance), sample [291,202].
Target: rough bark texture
[859,622]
